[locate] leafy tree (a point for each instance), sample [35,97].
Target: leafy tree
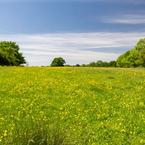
[83,65]
[92,64]
[134,57]
[101,63]
[77,65]
[112,63]
[10,55]
[58,61]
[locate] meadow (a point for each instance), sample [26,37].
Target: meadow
[72,106]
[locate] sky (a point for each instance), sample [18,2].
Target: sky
[80,31]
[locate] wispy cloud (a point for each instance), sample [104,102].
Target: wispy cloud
[126,19]
[40,49]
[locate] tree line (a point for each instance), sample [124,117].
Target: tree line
[135,57]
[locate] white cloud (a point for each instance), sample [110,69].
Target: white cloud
[40,49]
[126,19]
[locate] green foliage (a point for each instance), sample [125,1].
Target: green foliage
[112,63]
[58,61]
[101,63]
[77,65]
[134,57]
[10,55]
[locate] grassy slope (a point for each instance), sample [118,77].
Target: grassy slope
[92,106]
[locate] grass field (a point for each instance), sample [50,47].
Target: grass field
[72,106]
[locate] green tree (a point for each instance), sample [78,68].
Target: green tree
[134,57]
[10,55]
[112,64]
[92,64]
[58,61]
[101,63]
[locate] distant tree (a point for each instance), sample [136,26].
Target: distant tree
[101,63]
[134,57]
[83,65]
[10,55]
[92,64]
[67,65]
[112,63]
[58,61]
[77,65]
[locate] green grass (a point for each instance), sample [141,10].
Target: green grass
[72,106]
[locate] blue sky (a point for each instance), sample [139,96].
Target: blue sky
[78,30]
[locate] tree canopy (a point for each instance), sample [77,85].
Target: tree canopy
[58,61]
[100,63]
[10,55]
[134,57]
